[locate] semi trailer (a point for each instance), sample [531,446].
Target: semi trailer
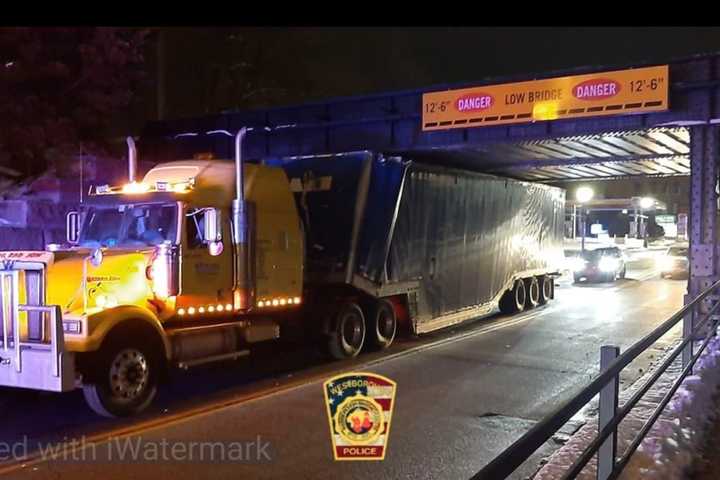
[201,259]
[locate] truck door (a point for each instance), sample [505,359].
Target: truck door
[206,279]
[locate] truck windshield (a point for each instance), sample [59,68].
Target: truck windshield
[135,225]
[595,255]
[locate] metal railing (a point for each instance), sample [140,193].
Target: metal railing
[606,383]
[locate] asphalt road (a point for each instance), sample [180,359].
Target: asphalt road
[463,396]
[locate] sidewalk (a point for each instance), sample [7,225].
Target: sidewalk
[672,443]
[565,456]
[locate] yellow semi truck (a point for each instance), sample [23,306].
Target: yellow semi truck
[203,258]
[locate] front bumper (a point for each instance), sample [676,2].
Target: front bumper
[675,271]
[676,267]
[32,343]
[593,274]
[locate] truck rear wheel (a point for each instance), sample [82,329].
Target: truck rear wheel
[126,379]
[532,288]
[513,301]
[347,333]
[382,325]
[546,286]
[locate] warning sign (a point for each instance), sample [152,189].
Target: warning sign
[608,93]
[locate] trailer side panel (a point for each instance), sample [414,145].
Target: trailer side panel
[467,235]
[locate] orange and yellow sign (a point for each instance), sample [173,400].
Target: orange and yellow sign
[607,93]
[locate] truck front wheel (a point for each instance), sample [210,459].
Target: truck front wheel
[347,334]
[382,325]
[126,379]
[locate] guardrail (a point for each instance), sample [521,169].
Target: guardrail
[606,383]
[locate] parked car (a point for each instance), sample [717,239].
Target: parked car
[601,264]
[675,262]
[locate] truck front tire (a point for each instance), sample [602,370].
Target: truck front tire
[126,378]
[382,325]
[347,333]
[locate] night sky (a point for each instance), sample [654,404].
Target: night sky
[213,69]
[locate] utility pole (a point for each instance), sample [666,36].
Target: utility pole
[160,74]
[574,217]
[637,223]
[582,244]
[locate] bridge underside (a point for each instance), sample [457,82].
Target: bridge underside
[681,141]
[656,152]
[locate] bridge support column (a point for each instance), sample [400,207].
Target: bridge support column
[703,221]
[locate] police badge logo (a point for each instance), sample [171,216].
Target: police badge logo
[359,407]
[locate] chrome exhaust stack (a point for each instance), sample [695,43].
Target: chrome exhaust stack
[243,289]
[132,159]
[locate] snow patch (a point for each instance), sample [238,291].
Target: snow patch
[669,447]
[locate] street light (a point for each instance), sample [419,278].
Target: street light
[583,195]
[647,203]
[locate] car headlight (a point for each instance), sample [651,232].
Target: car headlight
[664,263]
[577,264]
[608,264]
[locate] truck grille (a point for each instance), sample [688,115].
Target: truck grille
[20,289]
[32,343]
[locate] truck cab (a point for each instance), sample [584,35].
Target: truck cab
[151,278]
[203,258]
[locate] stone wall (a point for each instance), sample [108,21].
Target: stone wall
[30,224]
[32,212]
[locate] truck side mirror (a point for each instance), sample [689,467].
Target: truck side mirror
[213,225]
[213,231]
[72,227]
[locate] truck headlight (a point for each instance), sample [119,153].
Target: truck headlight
[576,264]
[103,301]
[608,264]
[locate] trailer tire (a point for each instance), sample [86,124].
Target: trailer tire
[546,287]
[382,325]
[513,301]
[347,334]
[532,287]
[126,380]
